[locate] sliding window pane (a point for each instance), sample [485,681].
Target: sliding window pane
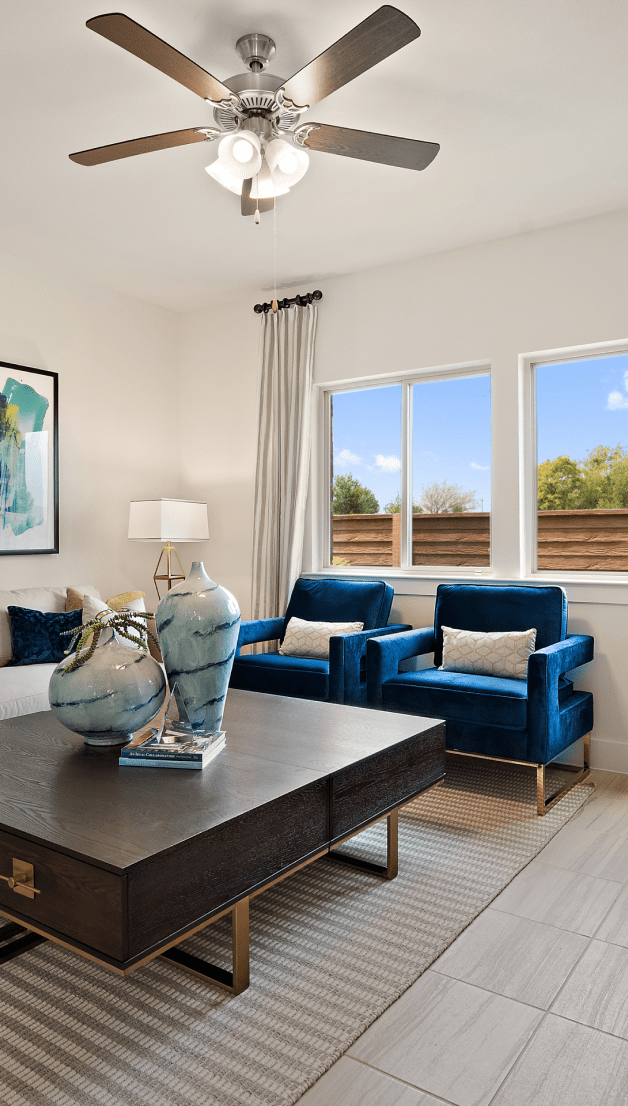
[582,465]
[451,471]
[366,476]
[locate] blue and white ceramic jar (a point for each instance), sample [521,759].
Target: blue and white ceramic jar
[198,622]
[116,692]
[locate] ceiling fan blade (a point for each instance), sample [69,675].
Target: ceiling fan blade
[381,34]
[137,40]
[249,204]
[408,153]
[117,150]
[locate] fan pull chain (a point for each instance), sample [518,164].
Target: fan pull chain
[275,305]
[257,198]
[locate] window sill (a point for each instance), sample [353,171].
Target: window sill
[581,588]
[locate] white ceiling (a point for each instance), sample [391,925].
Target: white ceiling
[528,98]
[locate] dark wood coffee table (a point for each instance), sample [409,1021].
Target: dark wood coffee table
[122,864]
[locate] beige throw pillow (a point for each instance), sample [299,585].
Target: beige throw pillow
[488,654]
[93,607]
[311,639]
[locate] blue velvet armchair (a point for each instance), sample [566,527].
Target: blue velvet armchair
[528,721]
[341,679]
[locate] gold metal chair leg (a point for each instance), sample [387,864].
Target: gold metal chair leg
[580,774]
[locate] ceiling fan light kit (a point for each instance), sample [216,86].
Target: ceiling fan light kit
[262,149]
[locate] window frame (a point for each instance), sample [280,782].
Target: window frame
[528,460]
[321,517]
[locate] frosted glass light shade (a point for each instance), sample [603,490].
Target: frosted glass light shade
[174,520]
[263,179]
[229,153]
[287,163]
[224,177]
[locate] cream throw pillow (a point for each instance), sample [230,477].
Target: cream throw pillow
[311,639]
[93,607]
[493,654]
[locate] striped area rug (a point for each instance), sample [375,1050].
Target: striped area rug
[331,948]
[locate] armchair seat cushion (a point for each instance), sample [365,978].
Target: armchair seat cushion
[304,677]
[459,696]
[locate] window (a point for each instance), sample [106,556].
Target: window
[366,475]
[408,481]
[582,464]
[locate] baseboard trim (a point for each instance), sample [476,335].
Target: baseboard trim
[611,756]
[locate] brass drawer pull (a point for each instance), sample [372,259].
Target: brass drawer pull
[23,879]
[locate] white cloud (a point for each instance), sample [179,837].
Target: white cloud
[345,457]
[388,464]
[480,468]
[616,401]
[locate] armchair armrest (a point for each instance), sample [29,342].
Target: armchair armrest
[345,654]
[384,654]
[544,668]
[260,629]
[562,657]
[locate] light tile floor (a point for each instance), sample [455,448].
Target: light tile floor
[529,1007]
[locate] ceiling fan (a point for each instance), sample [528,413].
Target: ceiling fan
[263,145]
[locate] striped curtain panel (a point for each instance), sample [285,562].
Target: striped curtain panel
[283,456]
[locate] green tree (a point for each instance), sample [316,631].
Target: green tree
[560,484]
[446,499]
[394,507]
[604,478]
[350,497]
[599,482]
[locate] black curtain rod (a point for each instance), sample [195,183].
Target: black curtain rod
[300,301]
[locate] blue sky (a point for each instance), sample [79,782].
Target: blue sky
[580,405]
[451,437]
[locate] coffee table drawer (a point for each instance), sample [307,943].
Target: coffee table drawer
[378,783]
[76,899]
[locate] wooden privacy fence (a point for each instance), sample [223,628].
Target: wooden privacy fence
[577,541]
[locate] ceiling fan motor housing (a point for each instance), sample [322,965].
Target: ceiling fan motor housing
[256,51]
[256,94]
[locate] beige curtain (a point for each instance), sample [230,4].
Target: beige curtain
[283,455]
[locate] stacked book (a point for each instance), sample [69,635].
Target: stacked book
[172,749]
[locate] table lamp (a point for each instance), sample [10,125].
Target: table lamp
[168,521]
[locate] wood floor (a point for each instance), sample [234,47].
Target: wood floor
[529,1007]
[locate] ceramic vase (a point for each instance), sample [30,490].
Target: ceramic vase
[116,692]
[198,623]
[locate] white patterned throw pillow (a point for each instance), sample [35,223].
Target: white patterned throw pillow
[311,639]
[491,654]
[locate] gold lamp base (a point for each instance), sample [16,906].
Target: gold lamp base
[170,576]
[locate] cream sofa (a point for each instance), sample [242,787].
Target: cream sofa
[24,688]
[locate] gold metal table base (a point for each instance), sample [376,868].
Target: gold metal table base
[543,804]
[237,980]
[391,867]
[15,946]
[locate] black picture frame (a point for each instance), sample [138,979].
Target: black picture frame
[29,460]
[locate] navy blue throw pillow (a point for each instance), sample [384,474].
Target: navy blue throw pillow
[37,634]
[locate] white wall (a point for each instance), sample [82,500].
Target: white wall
[218,397]
[560,287]
[117,361]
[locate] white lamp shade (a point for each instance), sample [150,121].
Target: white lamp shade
[176,520]
[232,145]
[287,163]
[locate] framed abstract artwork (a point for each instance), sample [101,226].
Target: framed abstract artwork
[29,478]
